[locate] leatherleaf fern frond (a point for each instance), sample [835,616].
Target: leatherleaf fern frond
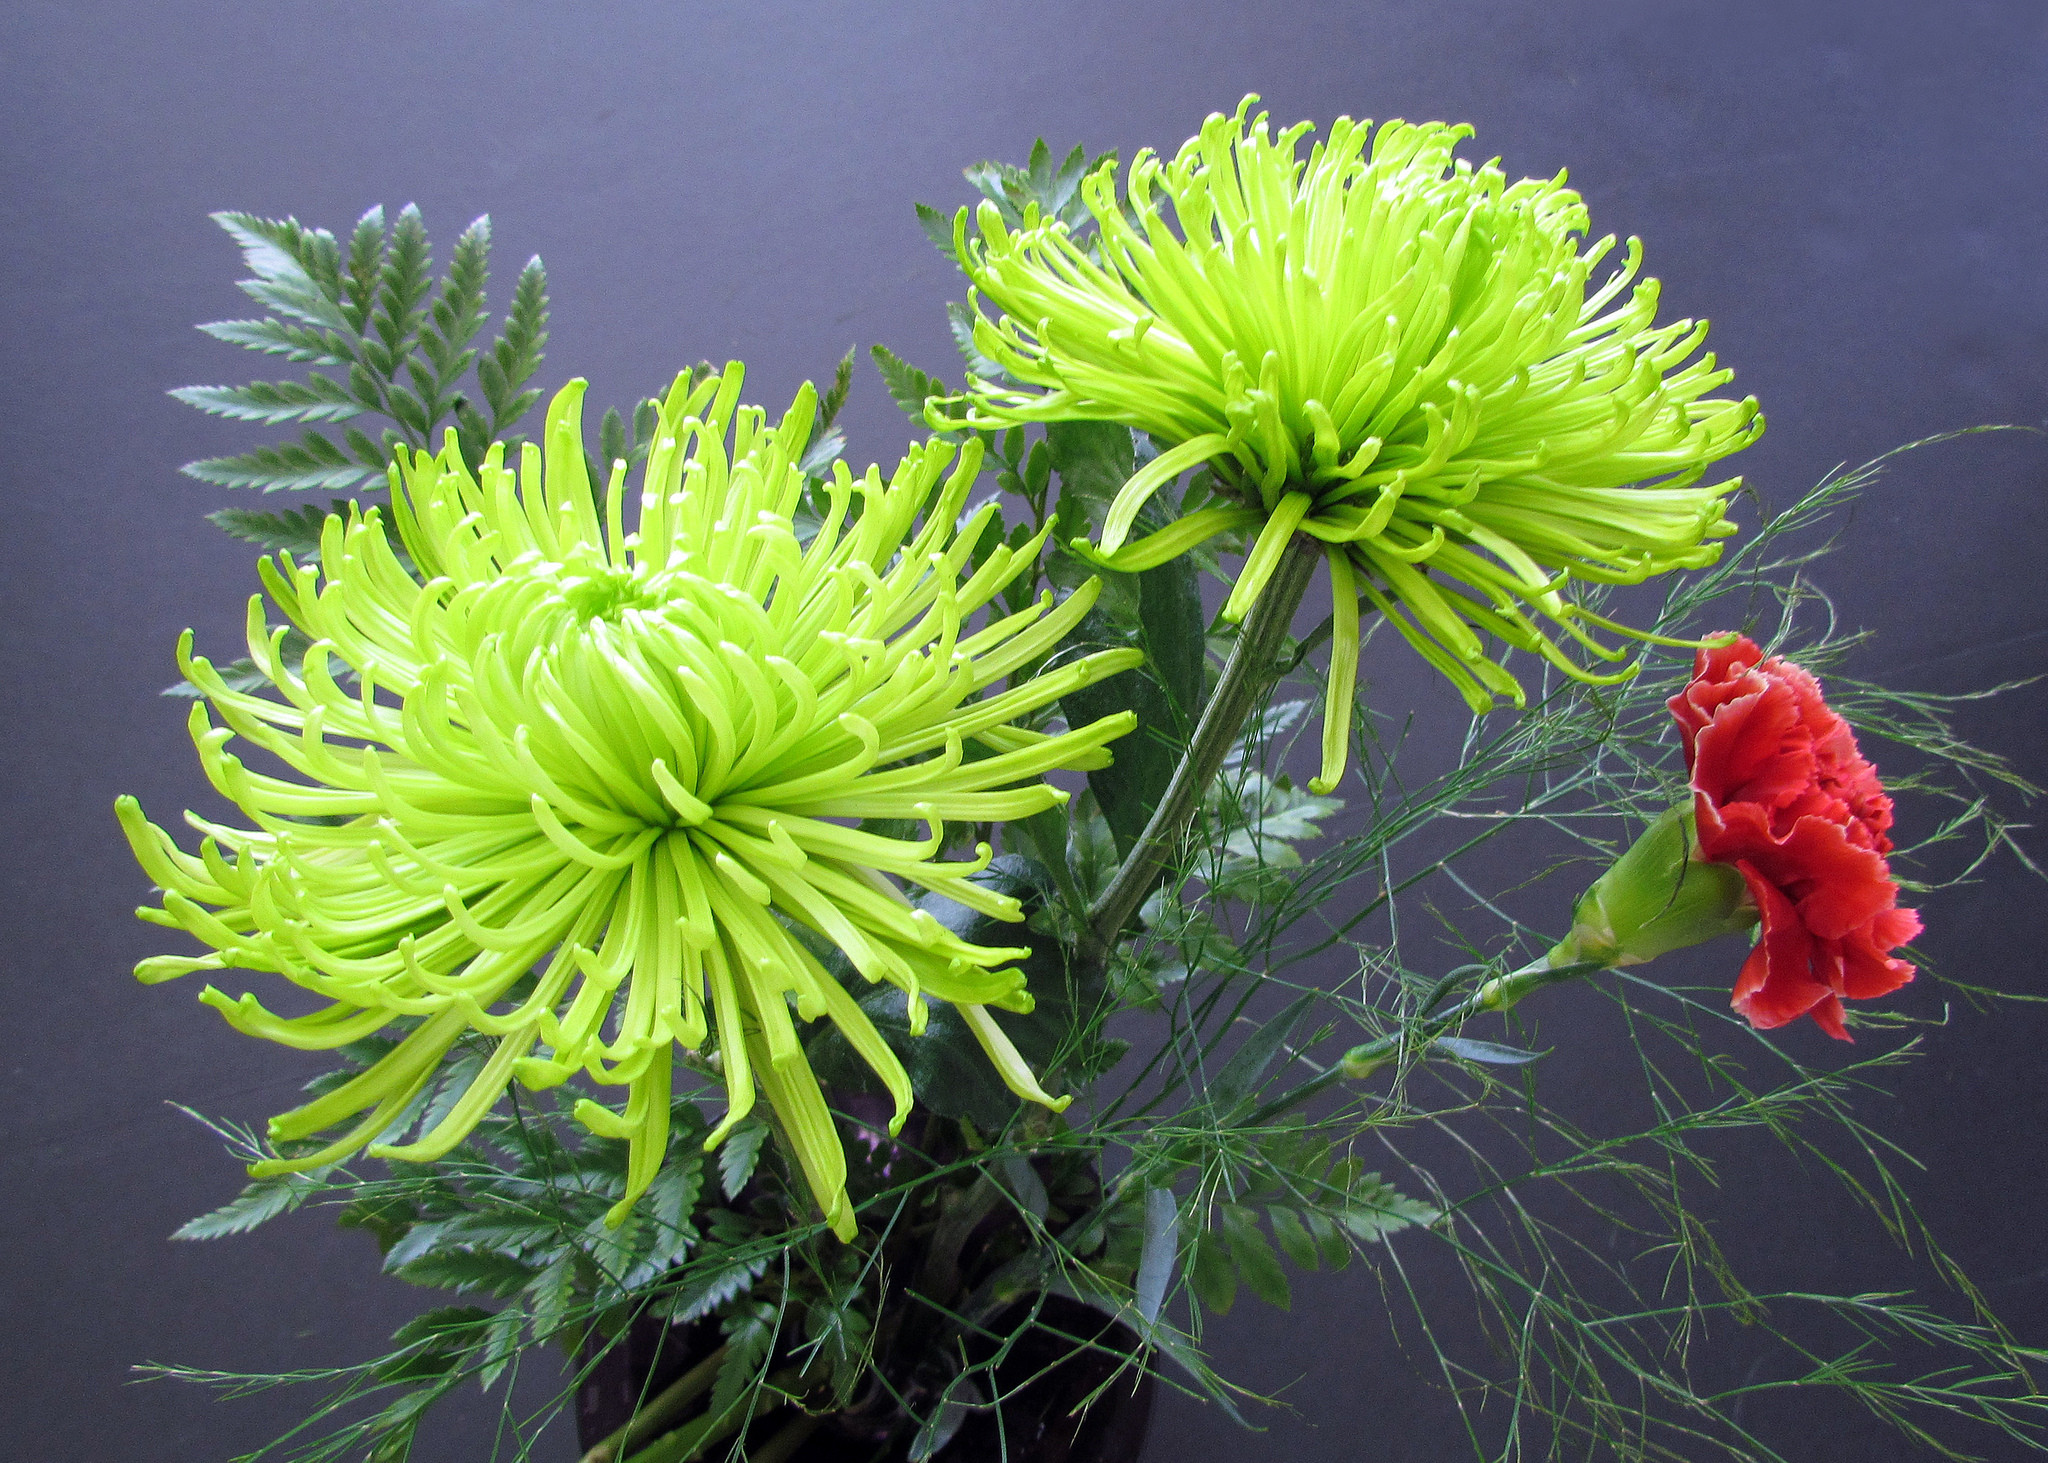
[592,792]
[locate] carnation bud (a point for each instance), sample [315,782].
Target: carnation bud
[1658,896]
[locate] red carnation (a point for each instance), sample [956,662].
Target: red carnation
[1781,793]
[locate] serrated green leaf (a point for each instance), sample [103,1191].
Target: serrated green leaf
[365,263]
[516,354]
[1293,1237]
[738,1154]
[749,1337]
[960,320]
[263,1200]
[551,1297]
[1330,1242]
[1375,1209]
[388,1220]
[312,462]
[281,338]
[500,1344]
[835,395]
[712,1284]
[1256,1264]
[434,1343]
[459,313]
[1213,1273]
[403,282]
[938,227]
[295,531]
[316,399]
[908,387]
[279,252]
[464,1271]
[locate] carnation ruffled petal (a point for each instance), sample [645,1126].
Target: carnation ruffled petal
[1782,793]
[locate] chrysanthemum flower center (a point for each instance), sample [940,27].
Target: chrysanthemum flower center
[607,594]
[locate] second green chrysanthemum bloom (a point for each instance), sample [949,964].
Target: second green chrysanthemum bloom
[591,781]
[1383,348]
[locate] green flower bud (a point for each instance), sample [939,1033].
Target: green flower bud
[1658,896]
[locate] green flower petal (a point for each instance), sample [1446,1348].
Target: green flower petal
[615,756]
[1413,344]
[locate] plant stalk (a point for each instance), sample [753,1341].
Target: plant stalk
[653,1419]
[1497,994]
[1245,678]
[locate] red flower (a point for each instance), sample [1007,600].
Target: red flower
[1781,793]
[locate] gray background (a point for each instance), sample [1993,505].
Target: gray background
[1855,194]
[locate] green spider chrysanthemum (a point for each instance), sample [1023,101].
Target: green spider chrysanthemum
[591,779]
[1388,350]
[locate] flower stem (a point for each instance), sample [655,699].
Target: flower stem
[1245,678]
[654,1416]
[1498,994]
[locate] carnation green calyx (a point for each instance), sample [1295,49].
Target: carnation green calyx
[590,780]
[1383,348]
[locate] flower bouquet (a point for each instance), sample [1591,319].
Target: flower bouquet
[849,960]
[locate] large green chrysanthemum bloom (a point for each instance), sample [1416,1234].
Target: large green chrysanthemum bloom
[590,780]
[1388,350]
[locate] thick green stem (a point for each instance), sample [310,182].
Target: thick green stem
[654,1417]
[1245,678]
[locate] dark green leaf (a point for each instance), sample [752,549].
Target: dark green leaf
[1330,1242]
[908,387]
[387,1220]
[1240,1076]
[365,263]
[403,283]
[1375,1210]
[434,1343]
[1293,1236]
[281,338]
[469,1270]
[516,354]
[835,394]
[738,1154]
[295,531]
[960,319]
[311,462]
[264,1199]
[749,1337]
[938,227]
[1256,1264]
[278,252]
[711,1284]
[1213,1273]
[500,1345]
[316,399]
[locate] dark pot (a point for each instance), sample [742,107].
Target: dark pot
[1043,1379]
